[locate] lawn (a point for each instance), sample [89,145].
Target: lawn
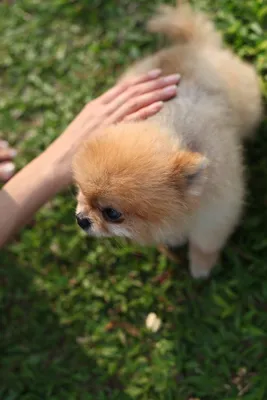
[73,310]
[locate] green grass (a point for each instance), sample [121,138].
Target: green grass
[61,294]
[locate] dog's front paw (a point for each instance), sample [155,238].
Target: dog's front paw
[198,272]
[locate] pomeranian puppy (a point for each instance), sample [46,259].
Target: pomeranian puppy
[178,175]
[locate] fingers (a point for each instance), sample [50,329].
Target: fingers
[7,154]
[152,74]
[140,89]
[122,86]
[145,112]
[131,99]
[137,103]
[7,170]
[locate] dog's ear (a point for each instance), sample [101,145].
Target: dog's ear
[189,172]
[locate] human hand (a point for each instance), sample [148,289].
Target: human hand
[137,98]
[130,100]
[7,168]
[50,172]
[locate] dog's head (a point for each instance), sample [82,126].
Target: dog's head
[134,181]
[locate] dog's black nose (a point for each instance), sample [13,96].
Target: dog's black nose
[83,222]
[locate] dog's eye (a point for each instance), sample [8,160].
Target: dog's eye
[112,215]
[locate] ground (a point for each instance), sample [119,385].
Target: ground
[74,310]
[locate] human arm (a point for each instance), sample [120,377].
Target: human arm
[50,172]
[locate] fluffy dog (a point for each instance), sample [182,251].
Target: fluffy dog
[178,175]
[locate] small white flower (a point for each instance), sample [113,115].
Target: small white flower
[153,323]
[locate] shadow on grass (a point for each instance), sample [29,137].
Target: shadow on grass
[39,356]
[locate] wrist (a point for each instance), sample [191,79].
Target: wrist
[56,171]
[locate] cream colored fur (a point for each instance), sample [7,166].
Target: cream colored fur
[218,104]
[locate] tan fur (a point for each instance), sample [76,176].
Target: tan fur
[179,174]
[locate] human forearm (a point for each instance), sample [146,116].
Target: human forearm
[23,195]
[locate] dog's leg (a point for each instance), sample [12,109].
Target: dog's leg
[213,226]
[201,262]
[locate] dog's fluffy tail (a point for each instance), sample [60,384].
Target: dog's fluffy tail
[182,24]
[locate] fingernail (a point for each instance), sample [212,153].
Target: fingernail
[3,144]
[154,73]
[157,105]
[7,170]
[170,90]
[175,78]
